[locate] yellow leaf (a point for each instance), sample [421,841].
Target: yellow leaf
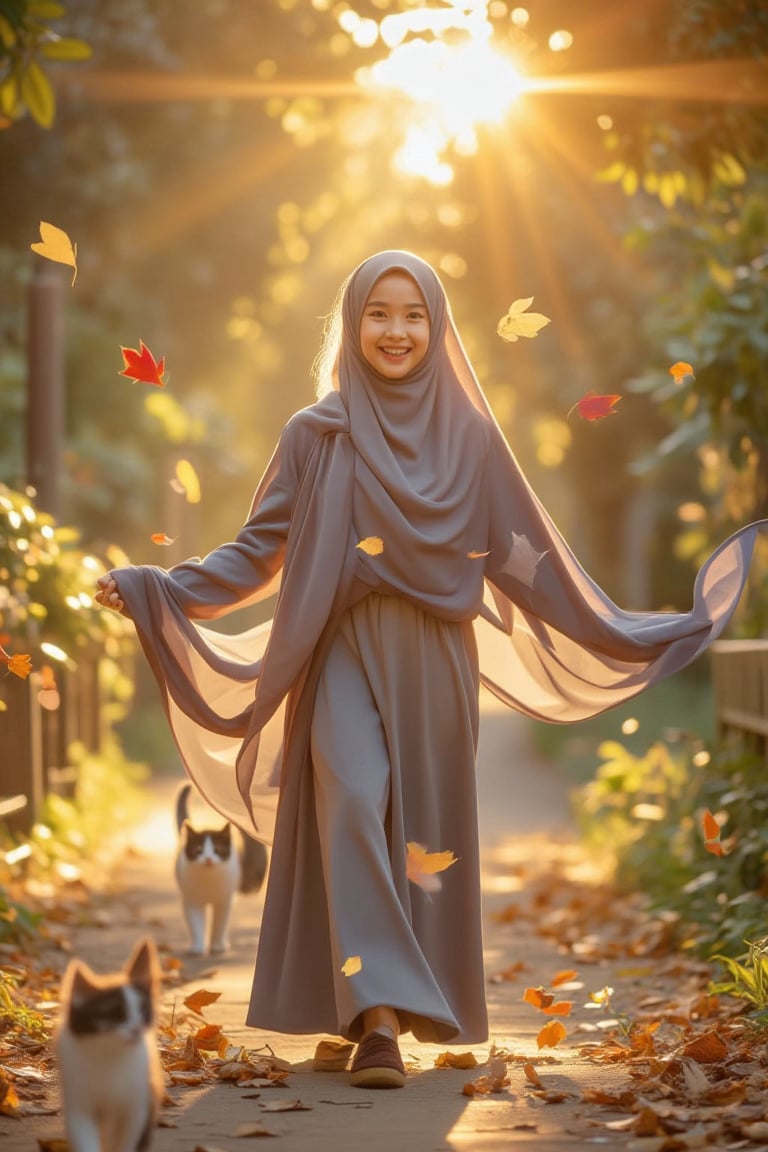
[200,999]
[371,545]
[332,1055]
[187,478]
[551,1034]
[37,93]
[351,966]
[519,322]
[422,866]
[55,245]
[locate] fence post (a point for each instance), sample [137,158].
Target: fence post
[45,386]
[21,754]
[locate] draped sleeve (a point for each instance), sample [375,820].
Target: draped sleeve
[210,681]
[552,643]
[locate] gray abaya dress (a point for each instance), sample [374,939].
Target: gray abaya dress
[349,723]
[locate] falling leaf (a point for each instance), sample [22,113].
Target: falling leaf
[142,367]
[477,555]
[680,370]
[564,977]
[187,478]
[711,830]
[519,322]
[54,244]
[594,407]
[48,696]
[161,538]
[538,997]
[551,1034]
[351,966]
[20,663]
[371,545]
[207,1038]
[422,866]
[456,1060]
[196,1001]
[523,560]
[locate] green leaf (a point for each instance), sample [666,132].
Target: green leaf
[66,48]
[36,92]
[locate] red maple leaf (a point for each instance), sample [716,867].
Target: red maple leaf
[592,407]
[142,366]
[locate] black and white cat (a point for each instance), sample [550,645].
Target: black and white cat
[109,1067]
[208,873]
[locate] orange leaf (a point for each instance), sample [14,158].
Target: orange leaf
[196,1001]
[532,1075]
[20,665]
[456,1060]
[142,366]
[47,677]
[710,826]
[715,847]
[560,1008]
[371,545]
[551,1034]
[421,866]
[564,977]
[592,407]
[709,1048]
[208,1037]
[680,370]
[160,538]
[538,997]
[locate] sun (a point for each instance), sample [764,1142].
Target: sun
[453,88]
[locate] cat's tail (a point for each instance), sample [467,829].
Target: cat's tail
[182,805]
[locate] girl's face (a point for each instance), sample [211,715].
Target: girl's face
[394,330]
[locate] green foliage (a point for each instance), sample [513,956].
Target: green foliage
[15,1016]
[26,39]
[17,922]
[47,583]
[748,978]
[645,812]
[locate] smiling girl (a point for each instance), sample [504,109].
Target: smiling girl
[356,708]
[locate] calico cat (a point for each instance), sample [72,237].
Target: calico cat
[208,873]
[109,1067]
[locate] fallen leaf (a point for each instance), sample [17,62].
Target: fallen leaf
[709,1048]
[351,966]
[422,866]
[532,1075]
[196,1001]
[680,370]
[551,1034]
[519,322]
[161,538]
[254,1129]
[54,244]
[371,545]
[594,407]
[285,1106]
[332,1055]
[477,555]
[141,366]
[564,977]
[456,1060]
[188,479]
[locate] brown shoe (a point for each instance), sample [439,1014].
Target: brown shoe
[377,1063]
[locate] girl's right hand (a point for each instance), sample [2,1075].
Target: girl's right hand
[108,593]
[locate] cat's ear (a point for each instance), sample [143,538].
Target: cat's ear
[143,968]
[78,982]
[226,831]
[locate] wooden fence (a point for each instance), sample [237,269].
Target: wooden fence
[740,679]
[35,739]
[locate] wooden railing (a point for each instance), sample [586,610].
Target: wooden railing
[740,680]
[35,741]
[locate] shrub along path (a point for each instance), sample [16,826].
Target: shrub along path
[602,1031]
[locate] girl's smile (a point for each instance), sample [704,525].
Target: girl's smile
[394,330]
